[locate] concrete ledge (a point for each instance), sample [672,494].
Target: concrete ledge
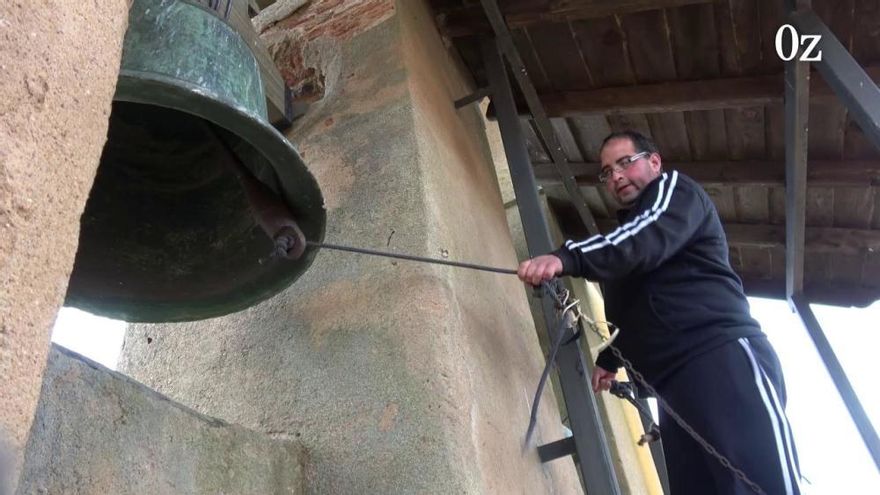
[97,431]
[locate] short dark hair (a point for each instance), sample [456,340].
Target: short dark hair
[640,141]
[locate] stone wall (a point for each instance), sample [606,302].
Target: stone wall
[97,431]
[397,377]
[59,61]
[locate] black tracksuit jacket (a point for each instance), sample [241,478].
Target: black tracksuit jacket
[666,278]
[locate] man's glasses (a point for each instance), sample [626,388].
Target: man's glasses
[621,165]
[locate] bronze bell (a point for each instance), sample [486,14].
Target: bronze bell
[168,233]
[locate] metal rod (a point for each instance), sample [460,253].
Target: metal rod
[410,257]
[856,90]
[797,108]
[542,123]
[475,96]
[838,376]
[593,455]
[557,449]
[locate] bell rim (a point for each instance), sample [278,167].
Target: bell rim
[300,191]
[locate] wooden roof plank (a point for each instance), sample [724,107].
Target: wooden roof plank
[530,59]
[596,202]
[670,134]
[853,207]
[841,241]
[820,205]
[724,202]
[847,269]
[827,126]
[774,131]
[697,56]
[470,21]
[839,16]
[756,261]
[566,140]
[817,268]
[560,56]
[777,262]
[589,131]
[695,41]
[537,152]
[771,15]
[650,49]
[752,204]
[856,144]
[707,131]
[739,36]
[682,96]
[777,205]
[745,132]
[875,221]
[871,268]
[866,32]
[603,46]
[636,122]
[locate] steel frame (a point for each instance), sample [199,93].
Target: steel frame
[862,98]
[590,445]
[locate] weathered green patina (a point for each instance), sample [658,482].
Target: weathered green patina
[167,234]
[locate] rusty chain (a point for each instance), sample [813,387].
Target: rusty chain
[564,303]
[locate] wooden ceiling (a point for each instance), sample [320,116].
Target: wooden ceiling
[703,79]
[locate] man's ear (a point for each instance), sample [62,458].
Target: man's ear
[656,162]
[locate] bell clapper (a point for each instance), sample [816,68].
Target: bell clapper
[269,210]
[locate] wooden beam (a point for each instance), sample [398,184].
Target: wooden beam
[680,96]
[468,21]
[820,240]
[741,173]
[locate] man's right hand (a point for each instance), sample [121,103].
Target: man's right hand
[602,379]
[539,269]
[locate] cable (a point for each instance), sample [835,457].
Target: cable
[410,257]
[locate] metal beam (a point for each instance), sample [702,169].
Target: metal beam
[838,376]
[797,108]
[862,98]
[596,468]
[557,449]
[850,82]
[542,123]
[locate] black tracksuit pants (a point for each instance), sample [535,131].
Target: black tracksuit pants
[734,397]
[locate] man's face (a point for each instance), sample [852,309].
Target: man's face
[627,180]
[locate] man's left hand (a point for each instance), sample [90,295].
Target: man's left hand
[537,270]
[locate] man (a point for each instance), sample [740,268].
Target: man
[684,323]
